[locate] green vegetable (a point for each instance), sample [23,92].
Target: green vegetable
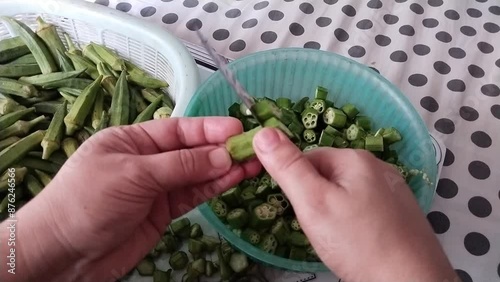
[119,111]
[146,267]
[17,88]
[178,260]
[48,33]
[20,128]
[12,48]
[11,118]
[52,140]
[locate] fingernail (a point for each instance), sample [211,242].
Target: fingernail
[219,158]
[267,140]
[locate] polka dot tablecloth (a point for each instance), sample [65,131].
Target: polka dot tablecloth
[444,55]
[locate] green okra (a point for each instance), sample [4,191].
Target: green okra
[225,270]
[71,45]
[19,70]
[119,111]
[11,118]
[69,146]
[18,175]
[143,79]
[52,140]
[81,108]
[140,104]
[240,147]
[7,105]
[42,97]
[44,79]
[132,109]
[12,48]
[146,267]
[178,260]
[33,163]
[105,70]
[35,44]
[70,91]
[44,178]
[103,123]
[90,53]
[196,231]
[34,186]
[109,56]
[98,109]
[109,84]
[163,112]
[83,135]
[27,59]
[82,63]
[8,141]
[17,88]
[18,150]
[68,98]
[48,33]
[162,276]
[20,128]
[76,83]
[65,63]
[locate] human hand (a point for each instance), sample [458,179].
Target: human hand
[111,201]
[358,213]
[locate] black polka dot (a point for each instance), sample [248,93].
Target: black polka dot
[237,45]
[398,56]
[194,24]
[439,222]
[476,71]
[374,69]
[148,11]
[429,103]
[468,113]
[452,15]
[407,30]
[102,2]
[479,206]
[498,270]
[491,90]
[312,45]
[443,36]
[468,30]
[349,10]
[306,8]
[421,49]
[276,15]
[124,7]
[494,10]
[447,188]
[479,170]
[364,24]
[491,27]
[233,13]
[481,1]
[481,139]
[330,2]
[261,5]
[170,18]
[417,79]
[382,40]
[356,51]
[210,7]
[497,63]
[435,3]
[457,53]
[495,111]
[476,243]
[464,276]
[475,13]
[250,23]
[390,19]
[430,22]
[442,67]
[374,4]
[190,3]
[221,34]
[268,37]
[296,29]
[449,158]
[167,0]
[341,35]
[401,1]
[417,9]
[445,126]
[456,85]
[323,21]
[485,47]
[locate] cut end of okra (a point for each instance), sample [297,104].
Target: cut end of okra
[178,260]
[310,118]
[354,133]
[263,216]
[309,136]
[237,218]
[319,105]
[321,93]
[374,143]
[334,117]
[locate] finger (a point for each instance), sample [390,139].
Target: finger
[179,133]
[181,168]
[298,178]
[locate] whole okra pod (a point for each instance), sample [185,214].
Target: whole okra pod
[70,145]
[82,63]
[11,118]
[17,88]
[48,33]
[52,140]
[20,128]
[119,111]
[12,48]
[8,141]
[18,150]
[98,109]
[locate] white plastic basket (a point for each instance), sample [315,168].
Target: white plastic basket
[149,46]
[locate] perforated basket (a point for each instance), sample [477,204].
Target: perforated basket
[149,46]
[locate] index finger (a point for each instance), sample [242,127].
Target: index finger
[178,133]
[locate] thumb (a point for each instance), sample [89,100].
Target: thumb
[296,176]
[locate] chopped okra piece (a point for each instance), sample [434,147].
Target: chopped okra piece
[280,231]
[237,231]
[171,243]
[238,262]
[391,136]
[245,111]
[199,266]
[379,132]
[297,253]
[300,105]
[249,123]
[210,242]
[276,123]
[265,179]
[266,109]
[251,236]
[181,227]
[296,127]
[295,225]
[263,216]
[287,117]
[280,202]
[253,203]
[161,247]
[146,267]
[178,260]
[350,110]
[268,243]
[225,271]
[358,144]
[364,122]
[321,93]
[237,218]
[318,105]
[310,118]
[240,147]
[196,231]
[210,269]
[339,142]
[298,239]
[332,131]
[263,191]
[232,197]
[283,102]
[325,139]
[310,147]
[334,117]
[309,136]
[247,196]
[374,144]
[354,133]
[219,207]
[195,247]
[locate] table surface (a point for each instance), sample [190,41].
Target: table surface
[444,55]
